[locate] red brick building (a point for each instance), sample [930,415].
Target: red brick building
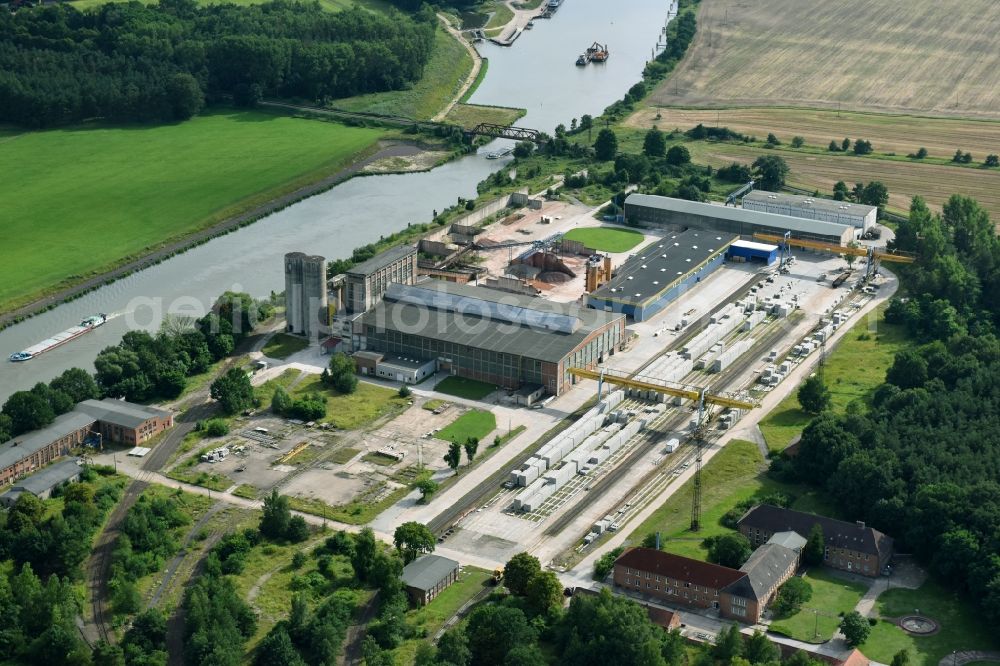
[111,420]
[678,580]
[851,547]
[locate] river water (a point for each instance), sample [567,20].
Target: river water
[537,73]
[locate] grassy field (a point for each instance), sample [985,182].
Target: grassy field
[427,620]
[470,389]
[855,367]
[904,178]
[94,195]
[475,423]
[831,596]
[283,345]
[265,392]
[821,54]
[470,115]
[444,75]
[899,134]
[605,239]
[961,627]
[353,410]
[732,475]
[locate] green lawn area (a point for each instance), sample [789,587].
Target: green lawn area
[204,479]
[605,239]
[431,405]
[430,618]
[283,345]
[246,491]
[344,455]
[265,392]
[470,115]
[831,597]
[474,423]
[93,195]
[444,75]
[962,628]
[353,410]
[734,474]
[470,389]
[855,367]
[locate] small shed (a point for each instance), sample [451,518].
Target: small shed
[406,370]
[426,576]
[528,394]
[367,361]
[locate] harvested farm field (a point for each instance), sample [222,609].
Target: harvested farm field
[903,178]
[935,57]
[900,134]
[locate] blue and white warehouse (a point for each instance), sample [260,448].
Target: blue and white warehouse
[750,251]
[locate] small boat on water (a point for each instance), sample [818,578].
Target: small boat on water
[582,60]
[85,326]
[530,25]
[503,152]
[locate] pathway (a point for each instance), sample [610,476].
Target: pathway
[959,658]
[477,64]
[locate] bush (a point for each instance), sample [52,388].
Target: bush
[606,563]
[214,427]
[792,595]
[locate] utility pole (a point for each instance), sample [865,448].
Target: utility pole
[699,440]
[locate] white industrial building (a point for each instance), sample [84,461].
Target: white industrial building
[858,216]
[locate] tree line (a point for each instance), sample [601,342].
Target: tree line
[162,62]
[922,460]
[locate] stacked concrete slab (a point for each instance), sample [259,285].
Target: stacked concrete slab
[667,368]
[726,321]
[725,359]
[555,450]
[755,318]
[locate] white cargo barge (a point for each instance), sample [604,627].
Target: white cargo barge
[85,326]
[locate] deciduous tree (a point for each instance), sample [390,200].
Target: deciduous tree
[413,539]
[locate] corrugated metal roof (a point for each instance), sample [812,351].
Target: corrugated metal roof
[119,412]
[24,445]
[383,259]
[49,477]
[427,571]
[817,203]
[476,328]
[740,215]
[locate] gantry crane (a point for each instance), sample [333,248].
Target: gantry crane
[700,395]
[874,256]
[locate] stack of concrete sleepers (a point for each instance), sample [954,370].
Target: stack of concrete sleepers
[560,476]
[723,360]
[532,497]
[615,442]
[754,319]
[713,333]
[581,454]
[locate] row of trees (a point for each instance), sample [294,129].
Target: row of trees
[129,61]
[25,411]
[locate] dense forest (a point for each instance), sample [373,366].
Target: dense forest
[129,61]
[922,461]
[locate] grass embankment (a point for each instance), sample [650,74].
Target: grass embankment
[960,627]
[444,75]
[128,189]
[475,423]
[353,410]
[470,389]
[484,66]
[904,75]
[853,370]
[500,17]
[819,619]
[470,115]
[427,620]
[283,345]
[734,474]
[605,239]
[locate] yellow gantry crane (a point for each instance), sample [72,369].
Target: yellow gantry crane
[874,256]
[700,395]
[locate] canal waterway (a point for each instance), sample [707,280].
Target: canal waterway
[538,73]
